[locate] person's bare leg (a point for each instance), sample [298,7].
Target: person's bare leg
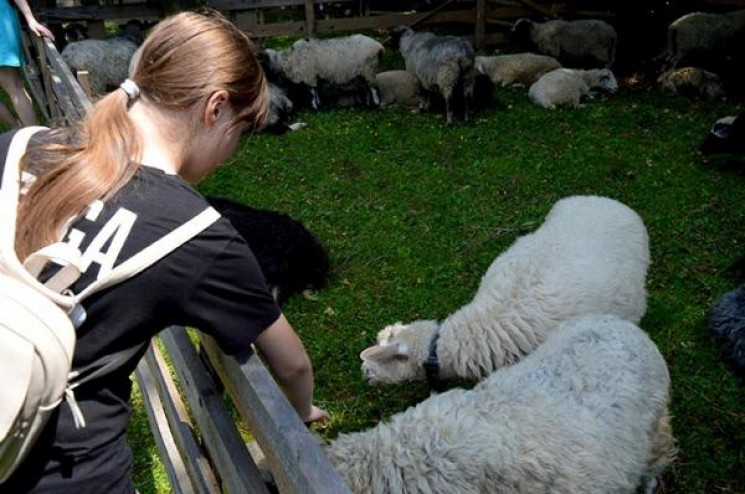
[10,81]
[6,116]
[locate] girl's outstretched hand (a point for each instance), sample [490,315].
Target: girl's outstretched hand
[317,414]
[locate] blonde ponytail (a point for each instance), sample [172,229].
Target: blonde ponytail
[184,60]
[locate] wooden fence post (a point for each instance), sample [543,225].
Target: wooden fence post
[480,24]
[310,18]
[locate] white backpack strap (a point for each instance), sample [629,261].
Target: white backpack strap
[102,366]
[11,185]
[9,196]
[154,252]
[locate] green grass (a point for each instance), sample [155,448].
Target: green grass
[413,213]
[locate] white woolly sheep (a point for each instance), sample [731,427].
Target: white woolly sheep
[517,68]
[692,82]
[727,136]
[567,87]
[397,88]
[340,61]
[582,43]
[706,40]
[440,63]
[586,412]
[590,256]
[107,61]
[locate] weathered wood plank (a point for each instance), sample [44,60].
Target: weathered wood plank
[46,80]
[69,111]
[261,4]
[356,23]
[197,467]
[73,89]
[101,13]
[33,75]
[169,455]
[227,450]
[294,453]
[480,23]
[310,18]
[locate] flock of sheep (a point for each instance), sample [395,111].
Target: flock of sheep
[446,68]
[572,395]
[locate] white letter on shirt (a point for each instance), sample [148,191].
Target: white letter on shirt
[117,227]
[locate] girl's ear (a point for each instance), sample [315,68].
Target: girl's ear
[216,107]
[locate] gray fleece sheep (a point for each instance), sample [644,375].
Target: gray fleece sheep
[340,61]
[517,68]
[567,87]
[107,61]
[585,413]
[706,40]
[692,82]
[583,43]
[441,64]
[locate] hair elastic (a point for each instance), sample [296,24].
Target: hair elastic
[130,87]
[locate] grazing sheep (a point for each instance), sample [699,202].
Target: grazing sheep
[692,82]
[107,61]
[290,256]
[441,64]
[586,412]
[516,69]
[727,323]
[567,87]
[583,43]
[727,136]
[339,61]
[590,256]
[711,41]
[281,111]
[398,88]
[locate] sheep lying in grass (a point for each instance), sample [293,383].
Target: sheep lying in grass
[339,61]
[590,256]
[290,256]
[692,82]
[517,68]
[706,40]
[442,64]
[727,136]
[398,88]
[586,412]
[583,43]
[727,323]
[567,87]
[107,61]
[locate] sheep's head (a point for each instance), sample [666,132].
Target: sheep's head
[521,34]
[394,41]
[604,80]
[399,354]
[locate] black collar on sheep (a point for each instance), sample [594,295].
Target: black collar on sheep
[432,365]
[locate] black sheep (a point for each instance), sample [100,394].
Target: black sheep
[727,136]
[727,323]
[290,256]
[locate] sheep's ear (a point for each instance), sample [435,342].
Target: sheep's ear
[387,352]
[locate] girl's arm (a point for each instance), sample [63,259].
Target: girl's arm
[290,364]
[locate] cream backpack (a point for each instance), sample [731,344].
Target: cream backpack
[38,321]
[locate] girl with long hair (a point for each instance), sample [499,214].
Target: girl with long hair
[115,183]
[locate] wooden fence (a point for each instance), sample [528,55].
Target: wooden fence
[197,437]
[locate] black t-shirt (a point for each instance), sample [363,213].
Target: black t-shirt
[212,283]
